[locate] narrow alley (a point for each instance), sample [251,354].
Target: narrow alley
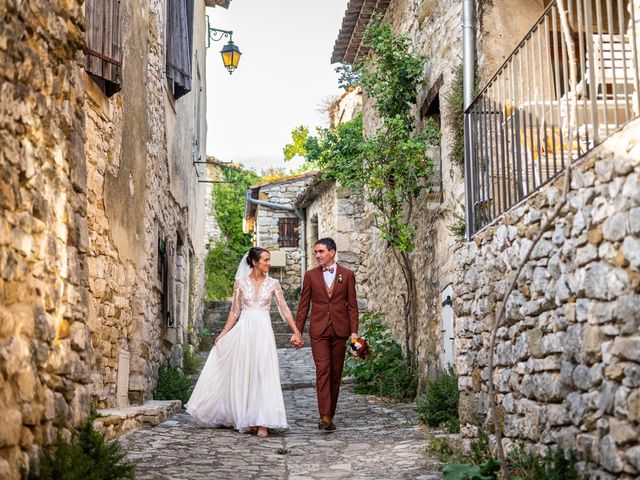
[373,440]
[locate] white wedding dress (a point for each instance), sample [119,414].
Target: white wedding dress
[239,385]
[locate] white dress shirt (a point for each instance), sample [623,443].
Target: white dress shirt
[328,276]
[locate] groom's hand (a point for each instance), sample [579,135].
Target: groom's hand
[296,340]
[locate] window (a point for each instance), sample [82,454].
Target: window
[179,45]
[104,44]
[288,232]
[430,109]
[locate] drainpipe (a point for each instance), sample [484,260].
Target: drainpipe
[303,227]
[468,71]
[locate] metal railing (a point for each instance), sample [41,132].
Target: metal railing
[520,132]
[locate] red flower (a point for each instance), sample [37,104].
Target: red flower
[360,348]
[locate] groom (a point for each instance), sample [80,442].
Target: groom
[330,291]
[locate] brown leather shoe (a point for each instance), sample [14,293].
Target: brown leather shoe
[326,424]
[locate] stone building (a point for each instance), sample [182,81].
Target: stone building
[567,355]
[101,218]
[274,220]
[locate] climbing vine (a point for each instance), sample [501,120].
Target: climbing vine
[223,259]
[389,165]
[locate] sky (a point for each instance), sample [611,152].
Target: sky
[283,77]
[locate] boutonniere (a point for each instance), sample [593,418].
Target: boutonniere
[340,278]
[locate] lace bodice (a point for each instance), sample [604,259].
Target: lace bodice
[245,296]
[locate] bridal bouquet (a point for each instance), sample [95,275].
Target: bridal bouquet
[360,348]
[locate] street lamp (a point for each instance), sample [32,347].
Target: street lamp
[230,52]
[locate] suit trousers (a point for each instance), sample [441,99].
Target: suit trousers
[328,352]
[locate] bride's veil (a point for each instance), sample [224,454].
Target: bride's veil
[243,269]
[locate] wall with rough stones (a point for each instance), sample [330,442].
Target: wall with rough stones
[142,186]
[435,29]
[44,341]
[568,355]
[284,192]
[339,213]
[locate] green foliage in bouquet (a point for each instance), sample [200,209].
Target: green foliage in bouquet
[173,384]
[86,456]
[439,407]
[385,372]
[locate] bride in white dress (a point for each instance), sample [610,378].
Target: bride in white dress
[239,385]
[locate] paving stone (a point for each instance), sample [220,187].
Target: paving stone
[374,440]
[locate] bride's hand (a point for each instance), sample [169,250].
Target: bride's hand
[222,334]
[296,340]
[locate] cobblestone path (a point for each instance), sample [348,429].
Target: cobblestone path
[373,440]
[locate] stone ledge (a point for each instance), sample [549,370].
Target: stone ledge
[115,422]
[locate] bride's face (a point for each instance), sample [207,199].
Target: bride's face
[263,263]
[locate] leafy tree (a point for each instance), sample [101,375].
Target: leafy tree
[349,77]
[389,166]
[222,260]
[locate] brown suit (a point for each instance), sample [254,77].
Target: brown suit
[334,317]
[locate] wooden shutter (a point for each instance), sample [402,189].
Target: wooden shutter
[179,39]
[288,232]
[104,44]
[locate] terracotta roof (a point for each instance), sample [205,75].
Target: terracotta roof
[220,3]
[348,47]
[289,178]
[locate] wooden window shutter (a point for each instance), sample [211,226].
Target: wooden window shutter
[288,232]
[104,44]
[179,40]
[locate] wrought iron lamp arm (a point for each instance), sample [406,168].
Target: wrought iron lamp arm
[217,34]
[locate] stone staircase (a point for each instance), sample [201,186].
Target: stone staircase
[216,314]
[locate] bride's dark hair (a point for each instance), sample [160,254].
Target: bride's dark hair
[253,255]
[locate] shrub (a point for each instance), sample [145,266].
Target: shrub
[191,362]
[206,341]
[555,464]
[173,384]
[440,404]
[86,456]
[385,372]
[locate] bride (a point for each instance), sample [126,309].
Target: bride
[240,382]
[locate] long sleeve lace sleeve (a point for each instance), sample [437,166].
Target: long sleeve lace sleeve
[235,305]
[281,303]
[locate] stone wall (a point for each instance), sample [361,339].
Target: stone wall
[435,28]
[142,188]
[44,345]
[284,192]
[568,356]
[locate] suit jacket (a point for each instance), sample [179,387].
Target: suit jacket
[340,309]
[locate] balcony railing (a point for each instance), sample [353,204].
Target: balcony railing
[520,131]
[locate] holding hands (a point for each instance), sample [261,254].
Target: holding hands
[296,339]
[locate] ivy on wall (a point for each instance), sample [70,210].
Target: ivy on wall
[223,259]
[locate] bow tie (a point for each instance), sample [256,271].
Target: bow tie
[327,269]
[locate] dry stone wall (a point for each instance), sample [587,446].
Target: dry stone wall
[568,356]
[44,344]
[142,189]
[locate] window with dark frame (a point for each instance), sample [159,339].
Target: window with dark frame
[288,232]
[431,109]
[179,45]
[103,48]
